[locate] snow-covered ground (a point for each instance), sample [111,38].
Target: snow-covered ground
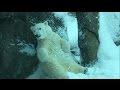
[108,65]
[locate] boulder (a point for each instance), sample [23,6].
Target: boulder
[88,26]
[17,43]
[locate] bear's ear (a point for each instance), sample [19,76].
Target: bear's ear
[46,23]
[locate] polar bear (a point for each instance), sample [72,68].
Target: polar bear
[54,53]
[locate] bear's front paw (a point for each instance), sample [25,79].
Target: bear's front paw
[42,54]
[83,70]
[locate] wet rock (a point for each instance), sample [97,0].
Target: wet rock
[117,43]
[88,36]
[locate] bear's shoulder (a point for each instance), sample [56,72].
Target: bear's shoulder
[55,35]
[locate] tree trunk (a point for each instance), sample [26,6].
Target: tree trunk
[88,40]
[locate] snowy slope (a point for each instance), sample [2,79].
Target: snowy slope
[112,20]
[108,66]
[108,53]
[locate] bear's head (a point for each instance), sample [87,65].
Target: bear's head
[41,30]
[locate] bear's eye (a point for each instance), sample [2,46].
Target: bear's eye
[39,28]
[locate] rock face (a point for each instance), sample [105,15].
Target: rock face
[17,42]
[88,36]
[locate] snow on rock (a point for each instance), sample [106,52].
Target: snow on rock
[29,49]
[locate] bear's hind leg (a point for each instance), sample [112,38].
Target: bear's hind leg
[54,70]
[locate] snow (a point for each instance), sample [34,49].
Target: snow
[28,49]
[108,52]
[25,48]
[108,65]
[114,24]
